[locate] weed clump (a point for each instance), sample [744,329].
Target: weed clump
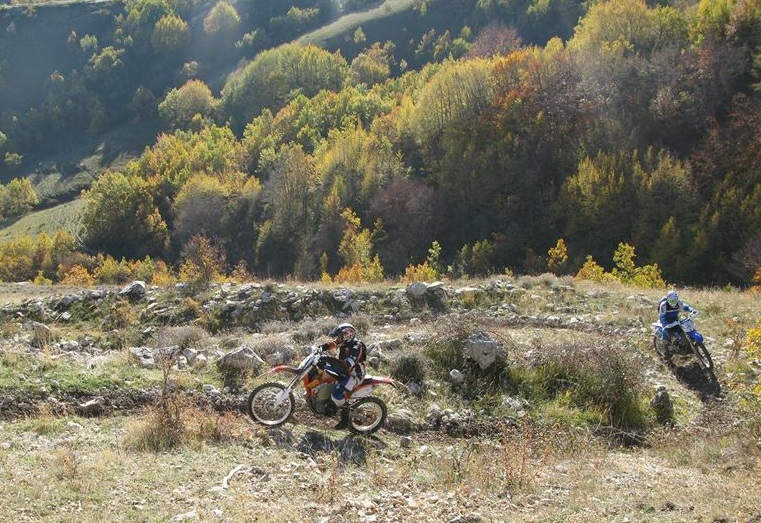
[598,379]
[447,352]
[410,369]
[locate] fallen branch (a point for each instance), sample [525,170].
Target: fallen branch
[226,481]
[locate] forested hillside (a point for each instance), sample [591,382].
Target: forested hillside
[442,138]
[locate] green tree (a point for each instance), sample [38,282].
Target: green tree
[176,157]
[182,105]
[136,28]
[618,27]
[458,92]
[121,218]
[18,198]
[295,22]
[171,34]
[597,203]
[358,163]
[222,19]
[373,65]
[270,80]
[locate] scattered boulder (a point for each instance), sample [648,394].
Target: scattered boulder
[134,291]
[482,349]
[242,358]
[662,405]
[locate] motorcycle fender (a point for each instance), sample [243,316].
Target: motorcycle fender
[362,390]
[369,384]
[696,336]
[284,368]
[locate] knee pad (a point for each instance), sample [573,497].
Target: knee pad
[338,396]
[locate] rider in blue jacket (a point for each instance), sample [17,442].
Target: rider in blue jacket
[668,310]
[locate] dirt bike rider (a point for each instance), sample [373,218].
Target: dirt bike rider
[668,310]
[348,368]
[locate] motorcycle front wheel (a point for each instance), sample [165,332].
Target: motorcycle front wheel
[660,347]
[367,415]
[263,405]
[701,353]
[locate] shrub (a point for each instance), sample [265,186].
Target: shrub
[752,346]
[182,336]
[597,377]
[409,368]
[421,272]
[446,353]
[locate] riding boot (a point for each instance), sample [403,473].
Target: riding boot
[344,421]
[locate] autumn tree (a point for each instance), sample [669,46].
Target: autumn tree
[494,39]
[557,257]
[202,262]
[356,250]
[407,208]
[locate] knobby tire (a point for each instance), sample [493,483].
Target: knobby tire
[261,405]
[367,416]
[702,355]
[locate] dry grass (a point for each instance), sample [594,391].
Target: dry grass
[84,469]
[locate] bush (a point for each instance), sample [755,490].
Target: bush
[602,379]
[421,272]
[409,368]
[446,352]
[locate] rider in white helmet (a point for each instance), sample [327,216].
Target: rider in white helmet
[668,311]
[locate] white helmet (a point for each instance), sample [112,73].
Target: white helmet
[673,298]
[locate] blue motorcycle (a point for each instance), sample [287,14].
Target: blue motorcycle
[685,340]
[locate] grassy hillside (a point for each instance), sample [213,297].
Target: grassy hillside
[507,454]
[60,217]
[342,29]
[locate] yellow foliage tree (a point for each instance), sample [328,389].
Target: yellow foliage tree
[75,275]
[592,271]
[360,266]
[625,271]
[557,257]
[202,263]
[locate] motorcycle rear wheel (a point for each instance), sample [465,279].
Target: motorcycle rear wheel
[367,415]
[702,355]
[263,408]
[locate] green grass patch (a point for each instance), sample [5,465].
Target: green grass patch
[29,372]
